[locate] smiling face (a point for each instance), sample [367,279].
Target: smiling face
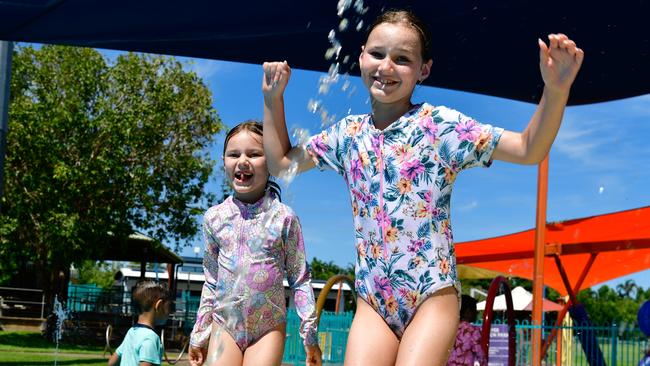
[245,166]
[391,63]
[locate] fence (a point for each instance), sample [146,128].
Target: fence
[332,337]
[621,345]
[22,302]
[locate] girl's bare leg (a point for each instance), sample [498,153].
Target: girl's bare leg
[429,337]
[268,350]
[223,350]
[370,340]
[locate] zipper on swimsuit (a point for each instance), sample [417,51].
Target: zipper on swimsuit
[381,194]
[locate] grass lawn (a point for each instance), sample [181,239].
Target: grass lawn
[31,349]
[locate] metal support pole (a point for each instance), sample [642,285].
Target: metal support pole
[6,50]
[538,270]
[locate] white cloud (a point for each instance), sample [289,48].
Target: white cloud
[204,68]
[464,207]
[588,140]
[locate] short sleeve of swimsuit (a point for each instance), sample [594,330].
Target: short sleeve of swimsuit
[330,146]
[464,142]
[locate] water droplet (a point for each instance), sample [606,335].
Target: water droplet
[289,174]
[346,85]
[300,135]
[601,189]
[343,25]
[314,105]
[359,8]
[342,6]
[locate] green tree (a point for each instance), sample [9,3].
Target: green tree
[321,270]
[99,273]
[606,306]
[97,147]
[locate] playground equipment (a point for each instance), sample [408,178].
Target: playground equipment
[488,314]
[320,303]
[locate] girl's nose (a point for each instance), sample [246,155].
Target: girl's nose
[243,161]
[386,64]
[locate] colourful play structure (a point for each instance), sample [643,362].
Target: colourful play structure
[567,256]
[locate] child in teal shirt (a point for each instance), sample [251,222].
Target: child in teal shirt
[142,345]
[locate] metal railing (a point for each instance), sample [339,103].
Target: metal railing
[22,302]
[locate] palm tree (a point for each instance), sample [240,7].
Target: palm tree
[627,289]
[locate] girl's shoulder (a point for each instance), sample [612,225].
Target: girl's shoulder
[284,210]
[443,113]
[219,208]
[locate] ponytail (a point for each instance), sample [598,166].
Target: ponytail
[274,188]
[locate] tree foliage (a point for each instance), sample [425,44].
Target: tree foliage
[606,305]
[321,270]
[97,273]
[98,147]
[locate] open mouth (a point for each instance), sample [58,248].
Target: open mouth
[243,177]
[383,83]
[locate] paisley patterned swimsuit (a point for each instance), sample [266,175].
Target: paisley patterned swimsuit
[249,247]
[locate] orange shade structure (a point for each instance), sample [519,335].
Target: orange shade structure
[598,248]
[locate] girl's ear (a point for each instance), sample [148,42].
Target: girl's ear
[361,55]
[425,71]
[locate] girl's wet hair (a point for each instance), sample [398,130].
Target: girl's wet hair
[409,19]
[257,128]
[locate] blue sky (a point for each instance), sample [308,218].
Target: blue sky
[598,164]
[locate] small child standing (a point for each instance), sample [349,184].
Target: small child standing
[252,240]
[142,345]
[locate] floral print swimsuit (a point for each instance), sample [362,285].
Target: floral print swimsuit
[400,182]
[248,249]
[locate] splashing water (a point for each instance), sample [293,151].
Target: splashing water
[300,135]
[334,54]
[288,175]
[61,315]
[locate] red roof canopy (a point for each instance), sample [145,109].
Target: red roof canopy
[621,242]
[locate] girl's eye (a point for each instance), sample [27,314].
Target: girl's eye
[403,59]
[377,55]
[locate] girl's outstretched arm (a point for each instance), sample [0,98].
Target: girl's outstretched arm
[280,155]
[559,65]
[200,335]
[299,278]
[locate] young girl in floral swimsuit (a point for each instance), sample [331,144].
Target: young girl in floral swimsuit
[400,162]
[251,239]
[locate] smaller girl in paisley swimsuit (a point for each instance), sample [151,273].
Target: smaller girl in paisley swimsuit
[400,162]
[251,239]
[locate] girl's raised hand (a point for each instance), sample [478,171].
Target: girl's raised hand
[275,80]
[559,62]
